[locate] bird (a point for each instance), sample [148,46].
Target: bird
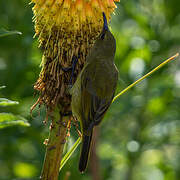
[94,89]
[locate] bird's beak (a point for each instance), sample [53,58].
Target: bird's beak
[105,27]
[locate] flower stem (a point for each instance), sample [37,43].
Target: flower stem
[145,76]
[55,146]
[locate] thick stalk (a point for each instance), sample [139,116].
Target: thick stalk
[55,146]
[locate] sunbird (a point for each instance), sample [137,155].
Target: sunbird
[94,89]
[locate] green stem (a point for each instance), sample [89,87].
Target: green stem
[145,76]
[55,146]
[69,153]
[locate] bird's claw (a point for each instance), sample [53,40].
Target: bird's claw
[72,68]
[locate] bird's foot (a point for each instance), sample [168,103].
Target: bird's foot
[72,69]
[76,125]
[69,127]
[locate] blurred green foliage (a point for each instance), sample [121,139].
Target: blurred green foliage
[140,136]
[4,33]
[9,119]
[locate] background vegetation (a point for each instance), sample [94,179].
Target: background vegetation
[140,136]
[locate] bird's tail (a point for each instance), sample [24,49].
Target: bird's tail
[86,143]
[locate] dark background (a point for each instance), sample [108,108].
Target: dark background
[140,136]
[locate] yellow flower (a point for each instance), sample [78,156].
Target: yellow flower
[65,28]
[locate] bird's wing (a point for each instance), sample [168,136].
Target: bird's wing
[93,105]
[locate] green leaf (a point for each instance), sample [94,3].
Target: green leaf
[4,33]
[6,102]
[2,87]
[8,119]
[69,153]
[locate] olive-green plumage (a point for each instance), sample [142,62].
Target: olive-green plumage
[94,89]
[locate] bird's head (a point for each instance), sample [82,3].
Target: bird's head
[106,39]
